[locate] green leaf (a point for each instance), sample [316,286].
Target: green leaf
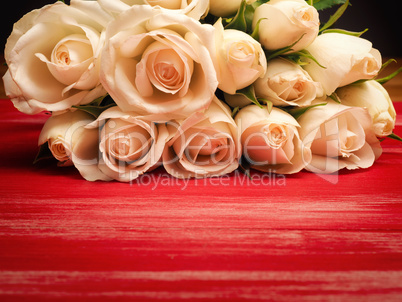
[345,32]
[335,98]
[269,104]
[255,33]
[384,79]
[277,53]
[384,65]
[389,77]
[94,110]
[97,106]
[339,12]
[324,4]
[235,111]
[249,93]
[395,137]
[243,19]
[297,112]
[239,21]
[43,153]
[298,56]
[282,51]
[98,101]
[257,3]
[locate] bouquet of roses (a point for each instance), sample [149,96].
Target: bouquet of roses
[202,87]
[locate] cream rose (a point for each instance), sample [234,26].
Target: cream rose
[52,57]
[225,8]
[339,137]
[271,141]
[345,59]
[286,22]
[71,143]
[93,10]
[240,59]
[285,83]
[375,98]
[157,63]
[203,145]
[195,8]
[130,144]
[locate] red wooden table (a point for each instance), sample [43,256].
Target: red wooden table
[299,238]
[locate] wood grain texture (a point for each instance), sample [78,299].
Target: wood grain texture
[298,238]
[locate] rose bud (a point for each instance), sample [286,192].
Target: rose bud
[375,98]
[344,59]
[286,22]
[130,144]
[72,143]
[271,141]
[287,84]
[240,59]
[339,137]
[203,145]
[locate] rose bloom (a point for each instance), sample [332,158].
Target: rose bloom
[375,98]
[195,8]
[271,141]
[157,63]
[225,8]
[53,57]
[130,144]
[339,137]
[204,144]
[240,59]
[285,83]
[345,59]
[286,22]
[71,143]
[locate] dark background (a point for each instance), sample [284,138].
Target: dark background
[383,18]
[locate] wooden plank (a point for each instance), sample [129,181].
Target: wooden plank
[204,286]
[299,238]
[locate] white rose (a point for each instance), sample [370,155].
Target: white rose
[52,56]
[345,59]
[286,22]
[195,9]
[225,8]
[240,59]
[93,10]
[204,144]
[130,144]
[285,83]
[71,143]
[375,98]
[271,141]
[339,137]
[158,63]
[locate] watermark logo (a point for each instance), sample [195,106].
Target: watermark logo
[158,180]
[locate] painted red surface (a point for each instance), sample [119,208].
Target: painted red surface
[299,238]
